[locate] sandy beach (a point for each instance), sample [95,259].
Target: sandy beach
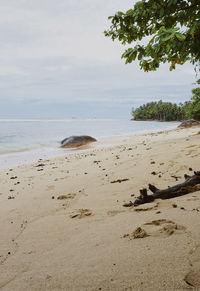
[64,227]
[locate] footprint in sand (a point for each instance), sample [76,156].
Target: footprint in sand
[146,208]
[192,278]
[157,228]
[114,212]
[50,187]
[168,227]
[81,213]
[138,233]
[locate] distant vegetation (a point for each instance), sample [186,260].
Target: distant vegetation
[166,111]
[192,108]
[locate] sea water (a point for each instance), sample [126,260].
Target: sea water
[27,140]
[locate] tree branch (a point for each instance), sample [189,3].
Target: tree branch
[191,184]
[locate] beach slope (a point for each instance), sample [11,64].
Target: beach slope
[64,227]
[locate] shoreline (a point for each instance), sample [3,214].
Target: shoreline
[64,227]
[155,120]
[29,156]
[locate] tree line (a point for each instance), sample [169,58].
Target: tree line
[167,111]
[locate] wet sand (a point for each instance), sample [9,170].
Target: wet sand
[64,227]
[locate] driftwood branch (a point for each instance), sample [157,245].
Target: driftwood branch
[191,184]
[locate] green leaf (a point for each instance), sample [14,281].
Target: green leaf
[129,12]
[193,28]
[152,40]
[168,47]
[170,3]
[119,13]
[167,37]
[180,36]
[162,11]
[174,29]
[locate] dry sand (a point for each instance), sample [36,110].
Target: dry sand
[63,226]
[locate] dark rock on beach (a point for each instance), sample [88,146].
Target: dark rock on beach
[76,141]
[189,123]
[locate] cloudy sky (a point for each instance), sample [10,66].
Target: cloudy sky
[56,62]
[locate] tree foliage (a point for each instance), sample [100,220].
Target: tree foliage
[163,111]
[166,111]
[170,30]
[192,108]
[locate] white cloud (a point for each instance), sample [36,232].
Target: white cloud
[55,51]
[58,28]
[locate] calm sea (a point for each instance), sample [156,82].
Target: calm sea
[24,140]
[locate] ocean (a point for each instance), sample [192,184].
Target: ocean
[28,140]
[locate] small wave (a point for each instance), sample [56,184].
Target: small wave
[55,120]
[19,150]
[5,138]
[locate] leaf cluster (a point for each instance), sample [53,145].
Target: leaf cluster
[170,30]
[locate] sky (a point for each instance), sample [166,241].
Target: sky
[55,62]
